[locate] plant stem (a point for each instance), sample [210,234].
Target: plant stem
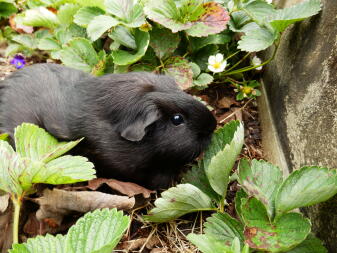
[17,207]
[253,67]
[236,64]
[222,205]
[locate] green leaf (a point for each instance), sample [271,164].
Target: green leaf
[4,137]
[91,3]
[25,40]
[129,11]
[221,154]
[63,170]
[203,80]
[84,15]
[80,54]
[257,40]
[198,43]
[239,197]
[106,226]
[123,36]
[122,57]
[7,9]
[164,42]
[36,144]
[212,21]
[198,19]
[306,186]
[224,228]
[11,166]
[96,232]
[13,48]
[261,180]
[99,25]
[180,69]
[201,57]
[259,10]
[195,69]
[309,245]
[281,235]
[287,16]
[40,16]
[197,177]
[66,13]
[177,201]
[209,244]
[49,44]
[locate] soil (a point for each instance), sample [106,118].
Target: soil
[170,237]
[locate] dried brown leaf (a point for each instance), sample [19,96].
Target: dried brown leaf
[56,203]
[125,188]
[226,102]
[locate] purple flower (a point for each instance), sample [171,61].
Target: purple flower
[18,61]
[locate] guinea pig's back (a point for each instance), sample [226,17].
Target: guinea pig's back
[36,94]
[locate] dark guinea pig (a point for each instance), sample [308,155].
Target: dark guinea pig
[138,127]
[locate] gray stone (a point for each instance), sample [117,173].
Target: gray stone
[301,88]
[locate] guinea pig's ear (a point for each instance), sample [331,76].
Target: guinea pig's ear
[136,130]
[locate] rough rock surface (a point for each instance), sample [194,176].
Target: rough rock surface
[301,85]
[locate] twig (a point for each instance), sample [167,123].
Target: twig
[233,113]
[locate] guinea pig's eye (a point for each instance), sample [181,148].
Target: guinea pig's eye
[177,119]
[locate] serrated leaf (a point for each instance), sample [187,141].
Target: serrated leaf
[240,195]
[11,166]
[309,245]
[261,180]
[129,11]
[106,226]
[164,42]
[198,19]
[80,54]
[36,144]
[195,69]
[287,16]
[123,36]
[257,40]
[281,235]
[49,44]
[209,244]
[212,21]
[180,69]
[122,57]
[197,177]
[177,201]
[63,170]
[203,80]
[25,40]
[306,186]
[198,43]
[259,10]
[99,25]
[96,232]
[224,228]
[221,154]
[7,9]
[66,13]
[13,48]
[86,14]
[91,3]
[40,16]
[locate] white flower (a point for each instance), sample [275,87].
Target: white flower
[269,1]
[216,63]
[257,61]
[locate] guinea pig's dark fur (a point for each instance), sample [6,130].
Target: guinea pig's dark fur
[138,127]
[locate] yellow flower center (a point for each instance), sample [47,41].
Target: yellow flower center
[217,65]
[247,90]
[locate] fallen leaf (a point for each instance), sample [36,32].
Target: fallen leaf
[4,200]
[6,229]
[56,203]
[226,102]
[125,188]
